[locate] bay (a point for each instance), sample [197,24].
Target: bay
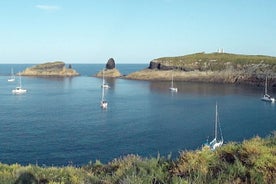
[59,121]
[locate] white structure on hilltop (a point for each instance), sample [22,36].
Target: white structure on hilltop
[220,50]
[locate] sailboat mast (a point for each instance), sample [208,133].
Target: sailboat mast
[19,79]
[216,122]
[102,93]
[103,78]
[172,81]
[265,85]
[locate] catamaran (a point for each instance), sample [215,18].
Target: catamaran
[266,96]
[19,90]
[12,77]
[172,88]
[215,143]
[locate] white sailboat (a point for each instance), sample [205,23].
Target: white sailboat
[215,143]
[103,101]
[19,90]
[104,84]
[267,97]
[172,88]
[12,77]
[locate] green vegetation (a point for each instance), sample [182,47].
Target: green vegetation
[252,161]
[215,61]
[57,65]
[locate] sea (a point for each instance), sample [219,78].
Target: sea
[59,120]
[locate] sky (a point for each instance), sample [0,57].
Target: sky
[132,31]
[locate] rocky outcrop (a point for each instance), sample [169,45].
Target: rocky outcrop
[213,67]
[57,69]
[110,70]
[109,73]
[110,64]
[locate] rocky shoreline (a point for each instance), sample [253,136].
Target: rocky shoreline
[212,68]
[236,77]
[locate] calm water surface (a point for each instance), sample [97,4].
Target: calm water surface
[59,120]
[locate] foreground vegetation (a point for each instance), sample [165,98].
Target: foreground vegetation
[252,161]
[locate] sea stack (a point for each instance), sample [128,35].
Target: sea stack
[109,70]
[50,69]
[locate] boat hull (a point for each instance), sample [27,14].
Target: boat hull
[19,91]
[173,89]
[268,99]
[104,104]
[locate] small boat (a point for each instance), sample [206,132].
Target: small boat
[19,90]
[172,88]
[104,84]
[267,97]
[12,77]
[215,143]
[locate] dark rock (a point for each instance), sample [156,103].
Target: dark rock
[166,67]
[110,64]
[153,65]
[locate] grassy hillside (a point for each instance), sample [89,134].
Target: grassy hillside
[221,57]
[252,161]
[216,61]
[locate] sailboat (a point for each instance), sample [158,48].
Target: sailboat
[173,89]
[19,90]
[267,97]
[103,101]
[104,84]
[215,143]
[12,77]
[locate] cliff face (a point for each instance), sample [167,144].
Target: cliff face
[214,67]
[50,69]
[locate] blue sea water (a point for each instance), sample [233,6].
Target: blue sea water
[59,121]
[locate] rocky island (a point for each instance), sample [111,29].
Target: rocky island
[212,67]
[50,69]
[110,70]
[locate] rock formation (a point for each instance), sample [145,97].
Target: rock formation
[57,69]
[110,64]
[213,67]
[110,70]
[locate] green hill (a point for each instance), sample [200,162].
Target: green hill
[213,61]
[212,67]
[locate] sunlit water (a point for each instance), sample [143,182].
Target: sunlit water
[59,120]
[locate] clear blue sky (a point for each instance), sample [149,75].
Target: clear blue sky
[132,31]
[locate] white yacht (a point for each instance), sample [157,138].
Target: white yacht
[172,88]
[12,77]
[216,142]
[267,97]
[19,90]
